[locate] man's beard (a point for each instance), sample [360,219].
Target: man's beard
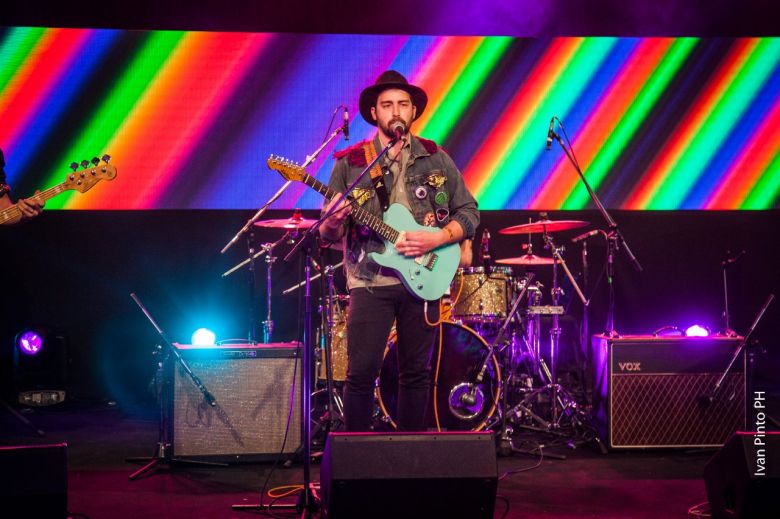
[388,132]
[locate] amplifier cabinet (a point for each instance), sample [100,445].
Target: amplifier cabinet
[254,392]
[652,391]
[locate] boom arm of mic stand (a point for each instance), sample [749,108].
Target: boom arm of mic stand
[172,349]
[610,221]
[264,208]
[741,345]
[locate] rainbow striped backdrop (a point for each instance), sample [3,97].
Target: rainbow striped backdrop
[190,117]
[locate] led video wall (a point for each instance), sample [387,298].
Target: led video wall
[190,117]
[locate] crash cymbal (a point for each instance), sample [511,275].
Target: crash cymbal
[289,223]
[544,226]
[526,259]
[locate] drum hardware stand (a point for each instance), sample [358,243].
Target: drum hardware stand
[267,249]
[164,449]
[555,331]
[558,395]
[614,237]
[725,264]
[470,397]
[268,324]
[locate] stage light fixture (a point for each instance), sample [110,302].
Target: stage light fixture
[29,342]
[203,337]
[697,331]
[39,366]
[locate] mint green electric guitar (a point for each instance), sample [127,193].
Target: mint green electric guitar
[427,276]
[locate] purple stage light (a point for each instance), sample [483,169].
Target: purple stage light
[697,331]
[29,342]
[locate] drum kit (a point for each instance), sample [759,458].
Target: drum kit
[491,368]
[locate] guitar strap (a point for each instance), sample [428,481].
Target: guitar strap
[377,178]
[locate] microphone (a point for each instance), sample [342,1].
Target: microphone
[345,129]
[550,133]
[398,128]
[584,235]
[469,398]
[315,264]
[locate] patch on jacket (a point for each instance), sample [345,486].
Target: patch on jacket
[361,196]
[354,154]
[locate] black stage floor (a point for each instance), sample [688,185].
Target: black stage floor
[648,484]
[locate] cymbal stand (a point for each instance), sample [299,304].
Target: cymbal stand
[265,249]
[555,331]
[268,324]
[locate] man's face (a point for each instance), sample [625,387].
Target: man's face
[393,105]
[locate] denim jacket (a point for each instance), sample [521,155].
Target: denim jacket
[435,191]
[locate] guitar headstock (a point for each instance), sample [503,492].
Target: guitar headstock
[91,173]
[287,168]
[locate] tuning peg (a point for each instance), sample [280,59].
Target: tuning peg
[84,163]
[74,166]
[95,161]
[106,158]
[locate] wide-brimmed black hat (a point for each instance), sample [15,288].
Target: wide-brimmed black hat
[387,80]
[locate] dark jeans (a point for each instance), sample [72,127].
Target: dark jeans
[371,315]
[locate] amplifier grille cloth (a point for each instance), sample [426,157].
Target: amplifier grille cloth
[253,402]
[664,409]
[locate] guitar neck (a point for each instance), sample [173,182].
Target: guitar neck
[361,215]
[12,213]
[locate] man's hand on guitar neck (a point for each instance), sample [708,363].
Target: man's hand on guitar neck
[333,227]
[30,207]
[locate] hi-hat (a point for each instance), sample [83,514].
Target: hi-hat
[544,226]
[288,223]
[527,259]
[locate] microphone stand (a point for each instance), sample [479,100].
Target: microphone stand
[307,503]
[711,396]
[725,264]
[614,238]
[164,449]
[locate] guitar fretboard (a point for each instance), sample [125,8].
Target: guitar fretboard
[13,213]
[361,215]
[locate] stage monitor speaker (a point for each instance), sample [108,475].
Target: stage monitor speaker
[34,480]
[255,394]
[651,392]
[409,475]
[743,478]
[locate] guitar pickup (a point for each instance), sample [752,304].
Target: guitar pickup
[429,260]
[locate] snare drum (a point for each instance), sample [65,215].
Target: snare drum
[480,297]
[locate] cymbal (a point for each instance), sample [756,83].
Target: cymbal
[543,226]
[527,259]
[288,223]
